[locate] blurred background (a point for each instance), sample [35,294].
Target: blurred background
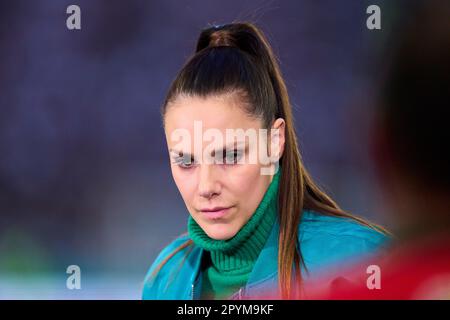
[84,171]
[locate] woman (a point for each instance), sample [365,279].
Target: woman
[255,227]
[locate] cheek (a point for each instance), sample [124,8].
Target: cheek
[250,187]
[243,186]
[185,183]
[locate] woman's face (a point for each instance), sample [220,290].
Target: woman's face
[222,195]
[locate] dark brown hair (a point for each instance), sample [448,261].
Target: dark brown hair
[237,58]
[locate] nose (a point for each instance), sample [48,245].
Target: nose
[208,185]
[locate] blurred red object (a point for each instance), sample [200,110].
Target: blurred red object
[416,271]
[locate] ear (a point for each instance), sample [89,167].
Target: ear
[277,139]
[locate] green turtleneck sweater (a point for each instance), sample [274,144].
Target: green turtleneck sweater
[231,261]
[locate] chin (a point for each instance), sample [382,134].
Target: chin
[220,233]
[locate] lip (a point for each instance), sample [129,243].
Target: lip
[216,212]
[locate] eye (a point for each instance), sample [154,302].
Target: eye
[184,162]
[232,156]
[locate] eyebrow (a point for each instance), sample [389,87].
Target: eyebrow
[179,153]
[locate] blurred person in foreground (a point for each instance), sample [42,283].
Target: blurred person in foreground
[411,139]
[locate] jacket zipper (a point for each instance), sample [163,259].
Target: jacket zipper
[192,293]
[237,295]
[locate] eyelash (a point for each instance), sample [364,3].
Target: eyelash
[237,154]
[183,164]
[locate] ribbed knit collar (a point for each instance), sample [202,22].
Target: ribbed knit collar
[238,254]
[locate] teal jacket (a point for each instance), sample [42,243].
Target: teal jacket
[326,243]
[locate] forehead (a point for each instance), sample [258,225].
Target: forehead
[219,112]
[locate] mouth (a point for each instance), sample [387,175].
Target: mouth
[216,212]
